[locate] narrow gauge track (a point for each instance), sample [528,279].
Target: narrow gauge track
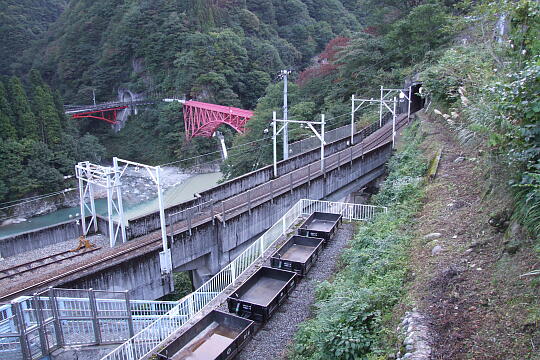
[36,264]
[235,204]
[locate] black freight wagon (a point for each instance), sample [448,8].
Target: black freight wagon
[262,293]
[320,225]
[298,254]
[217,336]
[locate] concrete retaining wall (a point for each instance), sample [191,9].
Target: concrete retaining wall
[17,244]
[140,275]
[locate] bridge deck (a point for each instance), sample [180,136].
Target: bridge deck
[233,206]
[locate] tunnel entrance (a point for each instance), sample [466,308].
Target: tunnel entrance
[127,97]
[417,101]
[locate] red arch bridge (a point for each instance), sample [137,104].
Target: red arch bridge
[200,119]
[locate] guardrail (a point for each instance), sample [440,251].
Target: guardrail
[147,340]
[31,327]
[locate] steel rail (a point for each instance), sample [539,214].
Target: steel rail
[14,270]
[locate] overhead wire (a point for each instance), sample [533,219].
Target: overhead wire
[34,198]
[215,152]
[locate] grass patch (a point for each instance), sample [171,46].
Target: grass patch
[352,313]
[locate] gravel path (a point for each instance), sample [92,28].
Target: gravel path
[271,341]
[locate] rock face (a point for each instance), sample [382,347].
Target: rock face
[29,209]
[417,339]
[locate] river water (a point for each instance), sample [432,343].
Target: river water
[133,206]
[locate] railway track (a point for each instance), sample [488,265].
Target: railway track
[34,265]
[235,204]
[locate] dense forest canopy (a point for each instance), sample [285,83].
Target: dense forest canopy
[222,51]
[38,147]
[21,23]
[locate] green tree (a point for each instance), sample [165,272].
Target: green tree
[425,28]
[13,175]
[7,129]
[25,120]
[46,114]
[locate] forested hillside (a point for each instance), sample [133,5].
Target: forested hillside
[397,36]
[225,51]
[21,23]
[38,147]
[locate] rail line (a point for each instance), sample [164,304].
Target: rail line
[42,262]
[152,241]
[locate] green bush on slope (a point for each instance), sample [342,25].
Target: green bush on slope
[350,310]
[490,92]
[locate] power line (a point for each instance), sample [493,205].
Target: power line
[34,198]
[215,152]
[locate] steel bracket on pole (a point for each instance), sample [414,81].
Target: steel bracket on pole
[310,124]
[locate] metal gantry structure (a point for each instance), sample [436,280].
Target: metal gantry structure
[391,105]
[283,129]
[387,93]
[389,100]
[110,178]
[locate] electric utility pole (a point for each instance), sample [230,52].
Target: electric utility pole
[284,74]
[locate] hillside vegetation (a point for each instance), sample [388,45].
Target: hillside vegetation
[223,51]
[38,146]
[384,53]
[477,283]
[23,22]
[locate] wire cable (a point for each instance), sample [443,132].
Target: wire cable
[35,198]
[214,152]
[18,202]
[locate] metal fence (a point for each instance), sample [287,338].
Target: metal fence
[31,327]
[147,340]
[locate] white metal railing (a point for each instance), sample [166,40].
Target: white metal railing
[42,318]
[148,339]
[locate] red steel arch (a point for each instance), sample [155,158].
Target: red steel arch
[202,119]
[104,114]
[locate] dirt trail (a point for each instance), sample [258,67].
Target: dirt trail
[467,279]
